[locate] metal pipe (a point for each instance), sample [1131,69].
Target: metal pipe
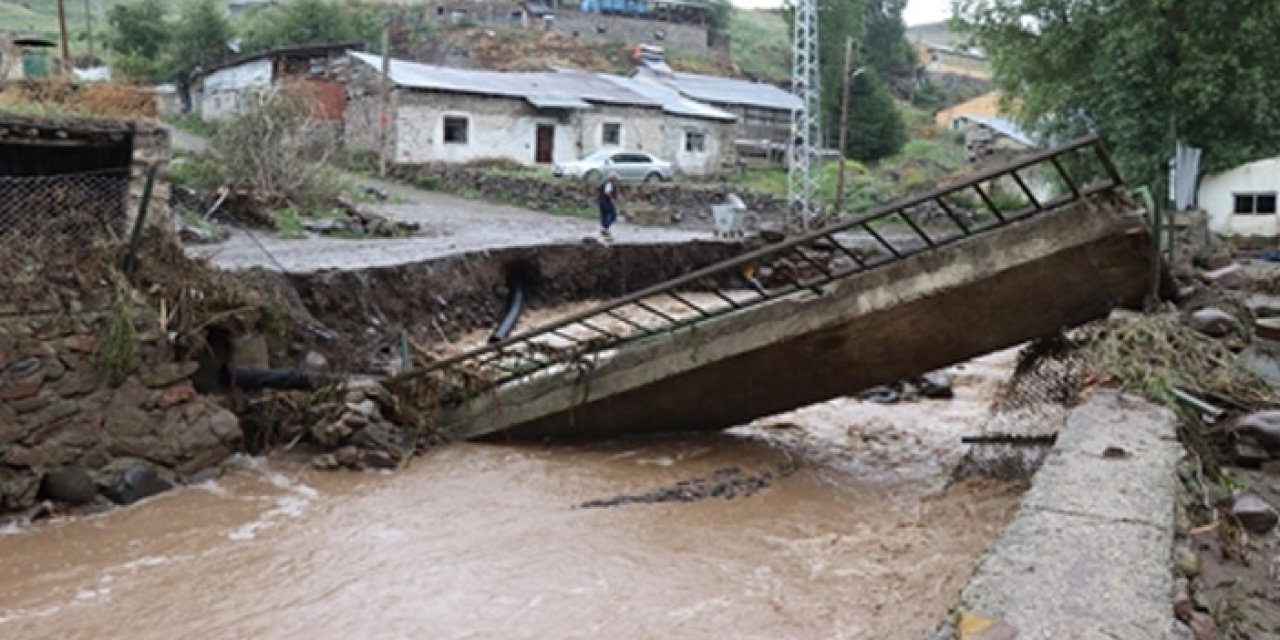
[515,304]
[249,378]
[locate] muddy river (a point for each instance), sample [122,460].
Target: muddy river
[858,538]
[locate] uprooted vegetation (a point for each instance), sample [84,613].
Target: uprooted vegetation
[268,167]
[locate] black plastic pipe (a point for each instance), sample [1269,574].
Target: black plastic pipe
[515,304]
[251,378]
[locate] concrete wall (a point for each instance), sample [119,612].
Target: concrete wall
[618,28]
[1217,197]
[1007,286]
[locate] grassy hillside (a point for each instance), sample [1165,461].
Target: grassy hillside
[761,44]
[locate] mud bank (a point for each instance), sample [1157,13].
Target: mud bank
[438,301]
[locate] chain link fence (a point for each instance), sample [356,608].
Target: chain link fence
[1029,409]
[64,210]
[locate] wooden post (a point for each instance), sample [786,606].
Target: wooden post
[88,25]
[844,123]
[62,29]
[384,112]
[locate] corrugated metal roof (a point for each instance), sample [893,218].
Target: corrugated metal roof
[545,86]
[733,91]
[672,101]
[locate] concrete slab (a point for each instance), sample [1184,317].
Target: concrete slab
[1009,284]
[1087,554]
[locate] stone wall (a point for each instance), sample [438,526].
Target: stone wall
[151,145]
[68,435]
[687,205]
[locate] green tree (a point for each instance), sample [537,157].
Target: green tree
[1140,73]
[884,46]
[298,22]
[137,36]
[200,39]
[876,129]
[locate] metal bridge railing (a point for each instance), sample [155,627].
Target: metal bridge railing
[1030,185]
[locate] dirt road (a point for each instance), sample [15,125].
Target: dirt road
[449,225]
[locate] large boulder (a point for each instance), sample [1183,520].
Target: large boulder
[70,484]
[135,483]
[1254,514]
[1262,427]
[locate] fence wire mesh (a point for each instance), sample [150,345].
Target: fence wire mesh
[65,209]
[1030,408]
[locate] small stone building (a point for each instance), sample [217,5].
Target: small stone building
[442,114]
[225,89]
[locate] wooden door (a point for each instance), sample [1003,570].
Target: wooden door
[544,149]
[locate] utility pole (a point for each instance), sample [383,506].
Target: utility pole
[804,143]
[384,116]
[62,29]
[849,77]
[88,25]
[844,122]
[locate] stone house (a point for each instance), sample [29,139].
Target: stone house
[1242,201]
[442,114]
[223,90]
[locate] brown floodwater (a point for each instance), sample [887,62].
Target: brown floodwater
[863,540]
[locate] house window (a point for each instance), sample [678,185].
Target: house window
[455,130]
[695,142]
[1255,203]
[611,134]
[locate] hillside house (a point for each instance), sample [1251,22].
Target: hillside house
[763,110]
[223,90]
[1242,201]
[444,114]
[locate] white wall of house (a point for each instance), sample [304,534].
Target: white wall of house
[508,128]
[717,144]
[1218,194]
[495,127]
[641,128]
[226,91]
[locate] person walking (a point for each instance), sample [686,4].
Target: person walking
[606,200]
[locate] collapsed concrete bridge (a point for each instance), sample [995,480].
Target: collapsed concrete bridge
[912,286]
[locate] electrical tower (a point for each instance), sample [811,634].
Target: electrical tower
[802,148]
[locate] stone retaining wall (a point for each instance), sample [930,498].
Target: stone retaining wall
[687,204]
[68,435]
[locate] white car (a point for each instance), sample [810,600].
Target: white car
[631,166]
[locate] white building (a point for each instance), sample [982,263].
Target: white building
[1242,201]
[225,89]
[443,114]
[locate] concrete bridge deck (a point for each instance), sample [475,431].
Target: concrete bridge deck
[814,317]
